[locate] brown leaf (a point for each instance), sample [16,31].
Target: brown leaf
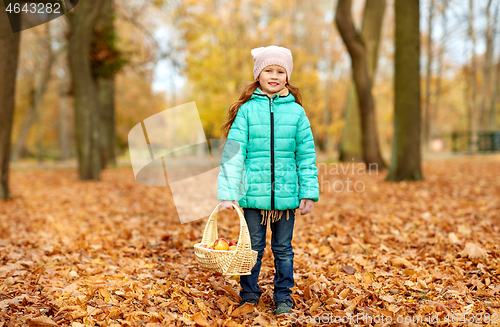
[229,322]
[473,251]
[243,310]
[344,293]
[452,237]
[93,311]
[68,308]
[199,319]
[409,272]
[261,320]
[495,290]
[317,303]
[160,274]
[307,293]
[349,270]
[386,313]
[441,307]
[223,303]
[387,298]
[493,303]
[324,250]
[41,321]
[401,261]
[71,287]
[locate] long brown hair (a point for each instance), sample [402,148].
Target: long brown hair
[246,94]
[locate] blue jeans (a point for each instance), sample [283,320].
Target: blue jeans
[281,245]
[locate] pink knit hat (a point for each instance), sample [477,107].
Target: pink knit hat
[272,55]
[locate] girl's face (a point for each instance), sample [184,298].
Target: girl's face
[272,79]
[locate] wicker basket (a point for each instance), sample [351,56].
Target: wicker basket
[237,262]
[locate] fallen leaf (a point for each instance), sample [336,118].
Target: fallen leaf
[344,293]
[42,321]
[387,298]
[243,310]
[261,320]
[348,269]
[401,261]
[223,303]
[199,319]
[441,307]
[473,251]
[453,238]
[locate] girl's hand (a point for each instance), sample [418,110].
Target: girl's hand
[228,204]
[306,206]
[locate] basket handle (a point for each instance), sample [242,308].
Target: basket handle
[210,232]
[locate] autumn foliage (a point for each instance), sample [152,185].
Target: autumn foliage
[114,253]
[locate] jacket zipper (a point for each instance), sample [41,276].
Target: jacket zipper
[272,153]
[272,146]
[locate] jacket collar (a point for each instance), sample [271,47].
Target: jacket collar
[282,96]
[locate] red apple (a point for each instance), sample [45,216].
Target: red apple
[204,245]
[233,242]
[221,244]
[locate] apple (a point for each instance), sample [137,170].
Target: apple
[233,242]
[232,248]
[211,244]
[211,248]
[204,245]
[221,244]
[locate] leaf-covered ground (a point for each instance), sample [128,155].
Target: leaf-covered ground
[113,253]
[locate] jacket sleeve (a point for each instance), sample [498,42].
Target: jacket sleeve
[233,159]
[305,157]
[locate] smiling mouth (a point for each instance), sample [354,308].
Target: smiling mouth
[273,84]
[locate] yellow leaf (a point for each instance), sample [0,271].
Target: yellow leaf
[199,319]
[103,292]
[183,304]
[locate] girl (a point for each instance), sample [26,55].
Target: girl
[269,167]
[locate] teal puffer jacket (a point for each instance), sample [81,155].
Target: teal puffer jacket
[270,143]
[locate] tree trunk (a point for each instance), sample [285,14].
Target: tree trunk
[327,120]
[106,85]
[487,64]
[492,116]
[107,117]
[493,120]
[41,80]
[437,95]
[19,146]
[9,54]
[428,75]
[38,116]
[350,148]
[473,119]
[362,61]
[63,119]
[86,97]
[406,156]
